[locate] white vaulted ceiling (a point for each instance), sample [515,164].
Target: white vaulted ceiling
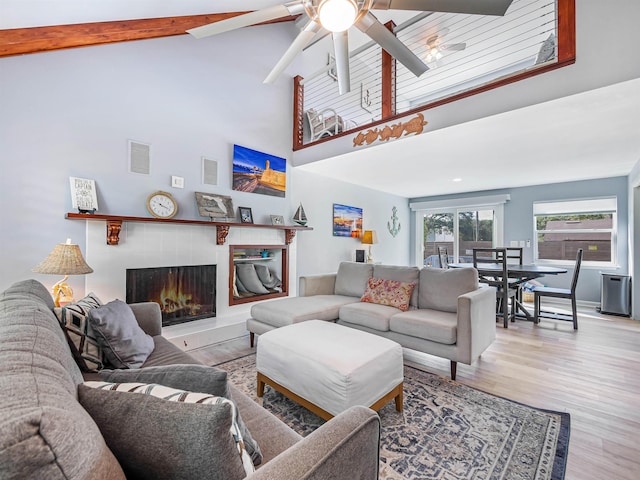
[592,133]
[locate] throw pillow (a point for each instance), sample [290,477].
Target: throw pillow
[440,288]
[73,318]
[267,277]
[194,378]
[249,278]
[351,279]
[124,343]
[388,292]
[155,438]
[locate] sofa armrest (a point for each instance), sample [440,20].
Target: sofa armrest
[322,284]
[344,448]
[476,322]
[149,317]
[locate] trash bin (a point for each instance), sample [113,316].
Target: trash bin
[616,295]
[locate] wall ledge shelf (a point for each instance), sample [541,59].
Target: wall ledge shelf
[114,225]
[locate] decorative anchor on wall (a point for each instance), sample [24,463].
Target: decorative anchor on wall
[394,226]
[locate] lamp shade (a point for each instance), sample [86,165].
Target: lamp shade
[65,259]
[369,237]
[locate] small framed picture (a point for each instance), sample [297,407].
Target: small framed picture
[83,194]
[215,206]
[277,220]
[245,215]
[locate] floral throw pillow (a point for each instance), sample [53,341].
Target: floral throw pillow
[388,292]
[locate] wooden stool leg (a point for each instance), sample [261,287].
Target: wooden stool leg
[400,399]
[261,384]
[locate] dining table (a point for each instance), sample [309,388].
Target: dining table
[518,273]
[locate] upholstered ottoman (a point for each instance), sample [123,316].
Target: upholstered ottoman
[328,368]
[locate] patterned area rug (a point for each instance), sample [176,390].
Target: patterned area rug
[447,431]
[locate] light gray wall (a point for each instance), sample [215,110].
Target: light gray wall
[518,224]
[70,113]
[319,251]
[634,238]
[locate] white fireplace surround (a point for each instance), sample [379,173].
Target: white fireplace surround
[145,245]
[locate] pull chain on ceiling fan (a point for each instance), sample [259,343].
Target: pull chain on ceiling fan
[337,16]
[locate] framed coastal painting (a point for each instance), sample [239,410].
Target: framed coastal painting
[258,172]
[347,221]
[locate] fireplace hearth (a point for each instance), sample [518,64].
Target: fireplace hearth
[184,293]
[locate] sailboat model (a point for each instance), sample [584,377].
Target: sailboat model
[300,217]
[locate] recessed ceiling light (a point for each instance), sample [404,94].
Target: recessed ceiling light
[456,180]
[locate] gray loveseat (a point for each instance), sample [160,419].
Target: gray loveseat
[46,433]
[449,315]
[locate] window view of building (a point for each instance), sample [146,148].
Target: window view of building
[561,229]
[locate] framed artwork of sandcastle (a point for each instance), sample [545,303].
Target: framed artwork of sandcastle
[258,172]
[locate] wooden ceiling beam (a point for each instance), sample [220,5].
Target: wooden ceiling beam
[21,41]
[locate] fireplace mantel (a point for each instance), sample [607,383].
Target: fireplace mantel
[114,225]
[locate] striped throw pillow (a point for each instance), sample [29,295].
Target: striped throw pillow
[174,395]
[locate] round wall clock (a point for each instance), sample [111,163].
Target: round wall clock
[162,205]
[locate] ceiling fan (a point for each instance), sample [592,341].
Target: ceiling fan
[337,16]
[435,47]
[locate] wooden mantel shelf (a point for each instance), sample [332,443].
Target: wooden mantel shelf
[114,225]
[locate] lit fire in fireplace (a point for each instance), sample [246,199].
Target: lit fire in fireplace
[174,301]
[184,293]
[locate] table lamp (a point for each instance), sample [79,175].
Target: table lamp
[65,259]
[369,237]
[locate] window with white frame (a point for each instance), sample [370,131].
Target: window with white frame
[459,225]
[561,228]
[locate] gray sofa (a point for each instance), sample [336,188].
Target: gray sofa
[46,433]
[449,315]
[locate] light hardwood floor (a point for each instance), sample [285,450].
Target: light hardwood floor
[592,373]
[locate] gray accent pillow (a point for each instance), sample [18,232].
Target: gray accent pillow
[352,278]
[439,289]
[193,378]
[156,439]
[124,344]
[266,276]
[249,278]
[241,288]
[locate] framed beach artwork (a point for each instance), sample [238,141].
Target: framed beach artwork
[258,172]
[347,221]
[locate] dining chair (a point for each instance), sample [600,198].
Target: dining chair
[569,293]
[497,256]
[514,256]
[443,257]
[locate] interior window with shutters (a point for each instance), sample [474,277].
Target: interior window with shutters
[561,228]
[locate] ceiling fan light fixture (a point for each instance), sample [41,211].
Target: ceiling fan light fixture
[433,54]
[337,15]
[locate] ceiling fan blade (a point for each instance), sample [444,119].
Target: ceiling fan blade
[370,25]
[301,41]
[478,7]
[341,51]
[259,16]
[453,46]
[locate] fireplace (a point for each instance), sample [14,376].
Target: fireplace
[184,293]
